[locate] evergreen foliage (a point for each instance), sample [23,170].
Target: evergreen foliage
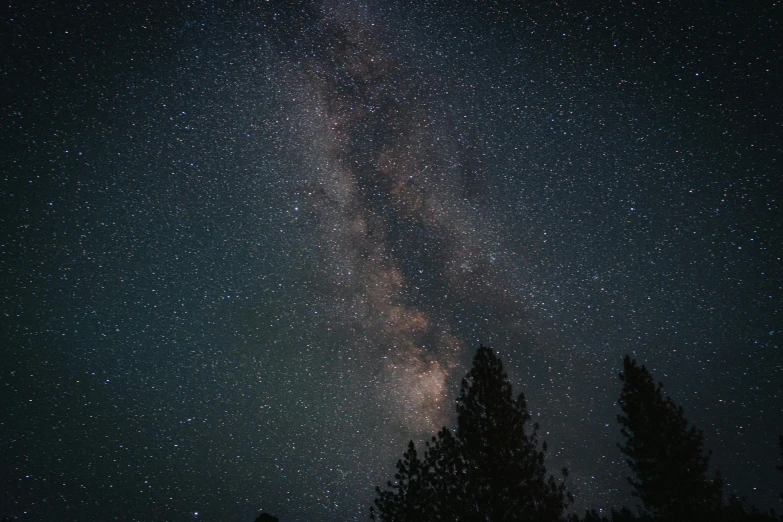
[665,453]
[407,498]
[504,470]
[490,470]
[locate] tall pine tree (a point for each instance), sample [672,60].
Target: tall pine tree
[408,498]
[446,471]
[665,454]
[505,473]
[490,470]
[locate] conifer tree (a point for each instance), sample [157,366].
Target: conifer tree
[407,498]
[665,453]
[490,470]
[446,471]
[505,473]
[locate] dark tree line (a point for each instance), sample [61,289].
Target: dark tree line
[490,469]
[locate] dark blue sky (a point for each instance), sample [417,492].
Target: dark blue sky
[248,252]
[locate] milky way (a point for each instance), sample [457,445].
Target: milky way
[248,252]
[388,205]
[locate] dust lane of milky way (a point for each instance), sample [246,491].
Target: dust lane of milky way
[380,183]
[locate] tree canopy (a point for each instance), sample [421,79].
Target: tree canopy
[489,470]
[664,452]
[490,467]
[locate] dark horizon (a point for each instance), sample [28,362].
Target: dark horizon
[248,252]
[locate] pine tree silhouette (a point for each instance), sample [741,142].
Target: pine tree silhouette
[505,472]
[446,471]
[664,452]
[407,499]
[490,470]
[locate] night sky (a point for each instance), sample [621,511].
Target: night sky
[249,251]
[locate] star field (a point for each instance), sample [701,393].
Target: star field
[248,252]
